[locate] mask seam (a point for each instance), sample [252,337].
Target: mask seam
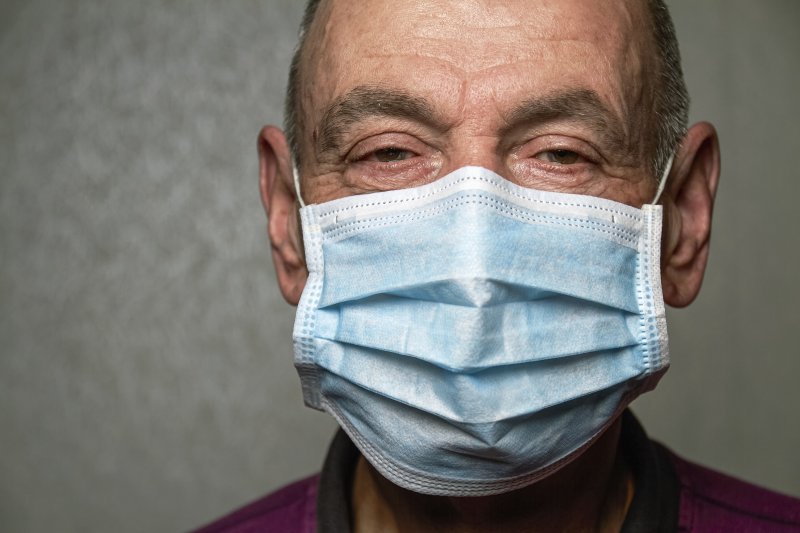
[304,336]
[656,297]
[406,471]
[338,231]
[466,487]
[466,370]
[643,311]
[443,188]
[652,352]
[650,329]
[332,370]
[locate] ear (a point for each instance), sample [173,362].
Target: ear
[689,203]
[280,204]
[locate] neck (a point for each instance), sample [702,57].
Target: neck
[592,493]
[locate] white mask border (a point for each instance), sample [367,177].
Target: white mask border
[661,183]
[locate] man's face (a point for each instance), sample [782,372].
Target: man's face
[548,94]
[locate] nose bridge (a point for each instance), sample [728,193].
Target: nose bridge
[470,149]
[475,138]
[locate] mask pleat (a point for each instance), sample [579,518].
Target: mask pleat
[468,339]
[430,258]
[472,335]
[494,449]
[473,397]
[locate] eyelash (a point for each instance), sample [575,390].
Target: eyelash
[366,152]
[370,146]
[387,149]
[586,152]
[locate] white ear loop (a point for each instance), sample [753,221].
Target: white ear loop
[296,176]
[663,182]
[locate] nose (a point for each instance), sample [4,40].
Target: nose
[469,149]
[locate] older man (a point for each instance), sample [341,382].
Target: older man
[501,197]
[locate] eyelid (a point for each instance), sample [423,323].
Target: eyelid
[579,158]
[384,141]
[375,155]
[553,142]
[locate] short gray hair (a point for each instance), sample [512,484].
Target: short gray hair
[671,99]
[671,96]
[292,119]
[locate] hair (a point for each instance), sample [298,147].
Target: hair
[671,98]
[292,119]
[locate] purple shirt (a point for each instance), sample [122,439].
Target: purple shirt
[672,494]
[290,509]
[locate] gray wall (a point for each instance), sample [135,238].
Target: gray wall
[145,364]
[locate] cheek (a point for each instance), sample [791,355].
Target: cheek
[634,188]
[625,190]
[327,186]
[317,187]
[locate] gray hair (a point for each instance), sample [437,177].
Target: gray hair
[292,120]
[671,95]
[671,99]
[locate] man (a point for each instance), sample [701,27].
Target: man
[483,272]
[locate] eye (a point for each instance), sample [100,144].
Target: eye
[560,157]
[389,155]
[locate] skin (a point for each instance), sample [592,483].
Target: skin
[550,95]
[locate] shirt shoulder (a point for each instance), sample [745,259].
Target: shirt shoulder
[712,501]
[291,509]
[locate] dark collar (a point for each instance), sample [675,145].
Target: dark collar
[654,508]
[336,486]
[656,500]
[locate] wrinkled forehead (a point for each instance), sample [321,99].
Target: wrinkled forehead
[478,48]
[471,32]
[396,27]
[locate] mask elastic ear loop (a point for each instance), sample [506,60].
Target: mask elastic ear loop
[663,181]
[296,177]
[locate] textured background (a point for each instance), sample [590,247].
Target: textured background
[145,364]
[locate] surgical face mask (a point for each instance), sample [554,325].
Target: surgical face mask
[472,336]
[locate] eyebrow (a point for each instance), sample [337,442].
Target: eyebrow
[365,102]
[583,105]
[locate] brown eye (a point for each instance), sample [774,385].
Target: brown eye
[559,157]
[388,155]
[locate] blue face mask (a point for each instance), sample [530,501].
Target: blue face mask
[472,336]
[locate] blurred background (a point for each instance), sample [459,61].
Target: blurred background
[146,381]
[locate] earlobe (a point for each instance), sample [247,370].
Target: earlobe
[689,204]
[280,205]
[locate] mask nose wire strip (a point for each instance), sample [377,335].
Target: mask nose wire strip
[663,181]
[296,177]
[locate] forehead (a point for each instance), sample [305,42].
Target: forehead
[476,50]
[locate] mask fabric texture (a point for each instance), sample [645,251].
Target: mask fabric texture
[470,335]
